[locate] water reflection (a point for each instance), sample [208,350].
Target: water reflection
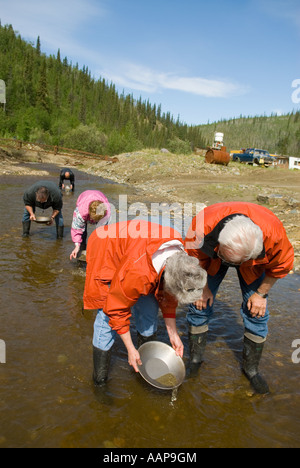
[47,396]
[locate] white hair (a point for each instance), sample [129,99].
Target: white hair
[184,278]
[241,238]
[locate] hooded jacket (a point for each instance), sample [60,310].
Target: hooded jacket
[276,258]
[81,213]
[120,270]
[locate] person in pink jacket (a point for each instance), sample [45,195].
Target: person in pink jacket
[92,207]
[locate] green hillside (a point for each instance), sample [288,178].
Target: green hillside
[49,100]
[278,134]
[52,101]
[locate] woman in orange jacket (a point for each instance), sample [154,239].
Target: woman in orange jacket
[251,239]
[138,267]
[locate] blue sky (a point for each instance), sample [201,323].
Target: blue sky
[203,61]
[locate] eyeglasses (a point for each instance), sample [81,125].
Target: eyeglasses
[226,261]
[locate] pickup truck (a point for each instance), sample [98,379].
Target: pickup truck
[254,156]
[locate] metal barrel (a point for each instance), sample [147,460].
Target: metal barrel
[217,156]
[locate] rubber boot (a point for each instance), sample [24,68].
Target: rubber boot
[197,343]
[101,366]
[59,232]
[26,228]
[251,357]
[144,339]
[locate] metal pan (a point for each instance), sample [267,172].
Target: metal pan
[67,190]
[161,367]
[82,257]
[43,219]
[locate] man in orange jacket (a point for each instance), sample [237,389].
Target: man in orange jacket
[138,267]
[251,239]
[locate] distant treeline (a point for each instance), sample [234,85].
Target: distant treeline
[49,100]
[277,134]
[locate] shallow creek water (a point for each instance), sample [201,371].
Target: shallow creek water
[47,396]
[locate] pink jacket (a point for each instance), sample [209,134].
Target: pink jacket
[81,213]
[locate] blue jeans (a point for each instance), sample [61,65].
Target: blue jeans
[256,325]
[145,312]
[59,220]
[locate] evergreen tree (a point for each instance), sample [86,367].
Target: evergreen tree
[38,46]
[42,97]
[82,110]
[28,79]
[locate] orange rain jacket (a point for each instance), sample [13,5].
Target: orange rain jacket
[120,270]
[276,259]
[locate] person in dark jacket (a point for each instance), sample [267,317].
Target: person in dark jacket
[43,194]
[66,174]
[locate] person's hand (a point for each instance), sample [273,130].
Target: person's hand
[257,305]
[206,300]
[75,252]
[177,344]
[134,358]
[50,222]
[32,217]
[174,338]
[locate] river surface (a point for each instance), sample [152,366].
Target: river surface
[47,395]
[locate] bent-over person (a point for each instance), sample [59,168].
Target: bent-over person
[251,239]
[43,194]
[92,207]
[136,267]
[66,174]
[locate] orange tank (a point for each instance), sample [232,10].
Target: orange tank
[214,156]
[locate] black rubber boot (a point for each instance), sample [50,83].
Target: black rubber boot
[26,228]
[197,343]
[59,232]
[144,339]
[101,366]
[251,357]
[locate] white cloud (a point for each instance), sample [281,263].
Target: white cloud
[144,79]
[201,86]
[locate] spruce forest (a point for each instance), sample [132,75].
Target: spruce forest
[52,101]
